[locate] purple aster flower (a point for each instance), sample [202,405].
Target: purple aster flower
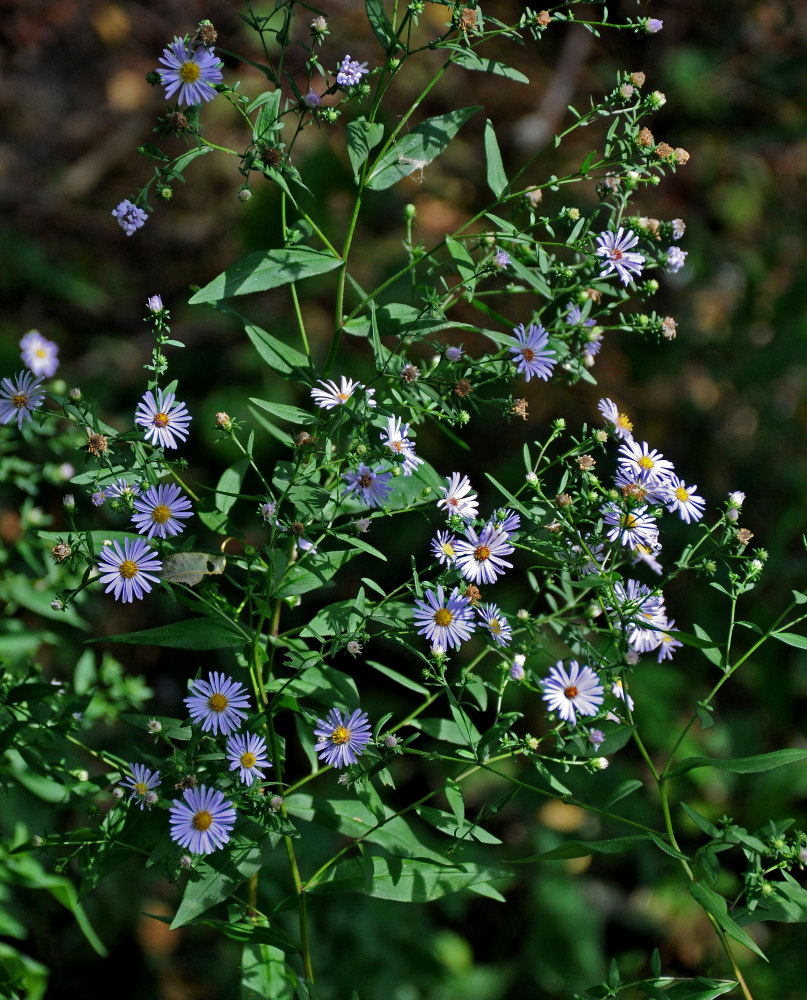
[128,571]
[192,72]
[341,739]
[616,251]
[350,72]
[20,397]
[141,782]
[506,520]
[618,691]
[668,644]
[121,490]
[334,395]
[679,227]
[596,738]
[498,627]
[163,418]
[574,316]
[444,622]
[154,304]
[676,258]
[647,554]
[247,753]
[572,693]
[442,546]
[685,500]
[312,99]
[458,498]
[645,465]
[98,498]
[643,612]
[479,557]
[130,217]
[161,510]
[652,25]
[372,484]
[623,428]
[268,510]
[203,822]
[305,546]
[39,354]
[454,354]
[396,438]
[630,527]
[501,259]
[517,671]
[534,358]
[217,704]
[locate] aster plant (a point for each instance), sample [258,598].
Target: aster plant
[581,544]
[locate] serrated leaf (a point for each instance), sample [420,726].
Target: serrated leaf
[190,567]
[417,149]
[259,272]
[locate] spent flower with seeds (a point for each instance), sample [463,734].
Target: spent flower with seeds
[130,571]
[217,704]
[341,739]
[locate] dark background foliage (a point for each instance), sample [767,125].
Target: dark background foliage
[725,401]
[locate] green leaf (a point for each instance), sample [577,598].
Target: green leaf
[715,904]
[291,413]
[406,682]
[314,572]
[622,791]
[699,988]
[217,878]
[469,59]
[258,272]
[497,178]
[362,136]
[584,848]
[417,149]
[408,880]
[464,263]
[786,904]
[741,765]
[265,974]
[229,485]
[709,648]
[195,633]
[380,24]
[279,356]
[791,639]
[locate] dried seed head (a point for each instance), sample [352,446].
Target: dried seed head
[189,781]
[535,196]
[563,500]
[303,440]
[638,78]
[519,408]
[586,462]
[206,33]
[681,156]
[744,536]
[223,421]
[463,387]
[542,18]
[409,374]
[669,328]
[663,150]
[645,138]
[297,529]
[96,444]
[177,121]
[467,19]
[553,527]
[473,593]
[61,552]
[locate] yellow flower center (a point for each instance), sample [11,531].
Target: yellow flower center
[128,569]
[443,617]
[681,494]
[646,462]
[189,72]
[160,419]
[202,820]
[248,760]
[40,352]
[629,521]
[340,735]
[481,553]
[19,400]
[140,788]
[160,514]
[495,626]
[343,397]
[217,702]
[448,548]
[622,421]
[570,691]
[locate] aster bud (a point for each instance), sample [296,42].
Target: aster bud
[154,726]
[117,793]
[69,502]
[391,741]
[75,394]
[56,604]
[243,194]
[276,803]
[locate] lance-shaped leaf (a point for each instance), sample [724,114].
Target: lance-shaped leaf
[416,150]
[258,272]
[741,765]
[190,567]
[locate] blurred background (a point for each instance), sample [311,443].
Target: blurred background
[725,401]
